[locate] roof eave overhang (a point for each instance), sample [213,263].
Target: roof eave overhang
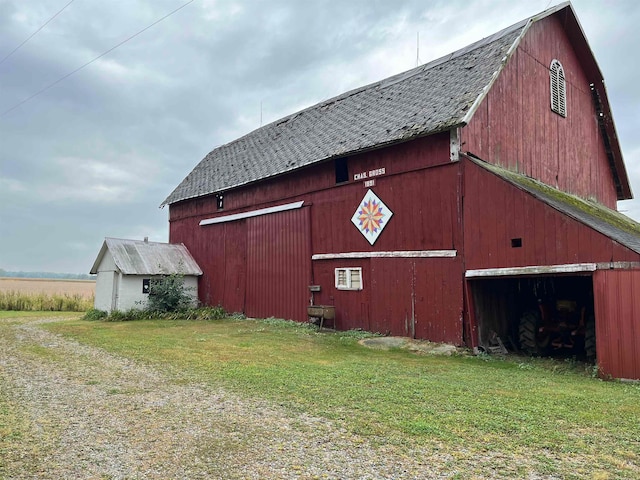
[612,146]
[594,74]
[96,264]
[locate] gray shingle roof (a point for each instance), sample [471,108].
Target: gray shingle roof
[137,257]
[608,222]
[431,98]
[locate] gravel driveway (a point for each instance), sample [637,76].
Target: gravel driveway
[89,414]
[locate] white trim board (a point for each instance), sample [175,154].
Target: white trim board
[394,254]
[252,213]
[532,270]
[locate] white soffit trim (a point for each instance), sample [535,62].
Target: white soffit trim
[395,254]
[252,213]
[454,144]
[533,270]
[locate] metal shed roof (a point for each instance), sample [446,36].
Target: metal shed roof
[138,257]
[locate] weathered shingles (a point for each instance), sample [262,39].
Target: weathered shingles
[428,99]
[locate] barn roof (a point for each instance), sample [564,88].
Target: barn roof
[137,257]
[431,98]
[608,222]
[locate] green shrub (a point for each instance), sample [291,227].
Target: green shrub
[168,294]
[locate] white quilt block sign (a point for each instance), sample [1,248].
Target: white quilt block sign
[371,217]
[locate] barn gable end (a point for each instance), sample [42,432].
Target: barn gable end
[577,153]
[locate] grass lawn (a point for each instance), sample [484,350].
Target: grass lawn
[552,414]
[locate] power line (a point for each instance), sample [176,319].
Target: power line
[34,33]
[64,77]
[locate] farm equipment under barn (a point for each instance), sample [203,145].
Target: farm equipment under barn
[558,326]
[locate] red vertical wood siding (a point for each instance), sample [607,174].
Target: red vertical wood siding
[496,211]
[420,298]
[278,265]
[234,275]
[426,217]
[439,300]
[514,126]
[413,297]
[220,251]
[207,248]
[393,291]
[420,185]
[352,306]
[617,309]
[424,205]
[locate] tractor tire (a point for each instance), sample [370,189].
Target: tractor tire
[590,338]
[531,340]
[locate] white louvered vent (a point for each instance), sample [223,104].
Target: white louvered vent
[558,88]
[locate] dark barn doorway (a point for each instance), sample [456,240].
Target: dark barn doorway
[536,315]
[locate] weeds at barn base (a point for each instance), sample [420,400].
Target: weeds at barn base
[202,313]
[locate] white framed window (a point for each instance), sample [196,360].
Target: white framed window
[349,278]
[558,88]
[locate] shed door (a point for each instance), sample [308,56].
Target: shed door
[279,265]
[115,292]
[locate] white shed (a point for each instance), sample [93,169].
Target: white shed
[126,267]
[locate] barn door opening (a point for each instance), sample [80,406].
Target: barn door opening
[536,315]
[278,265]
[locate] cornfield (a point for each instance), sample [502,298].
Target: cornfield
[46,295]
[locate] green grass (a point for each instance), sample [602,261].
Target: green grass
[523,415]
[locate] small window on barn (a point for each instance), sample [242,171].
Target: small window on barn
[219,201]
[558,88]
[349,278]
[342,170]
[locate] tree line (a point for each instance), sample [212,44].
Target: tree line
[65,276]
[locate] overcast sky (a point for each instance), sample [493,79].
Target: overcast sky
[95,155]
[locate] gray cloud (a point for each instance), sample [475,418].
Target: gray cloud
[95,155]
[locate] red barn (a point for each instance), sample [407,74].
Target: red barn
[470,200]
